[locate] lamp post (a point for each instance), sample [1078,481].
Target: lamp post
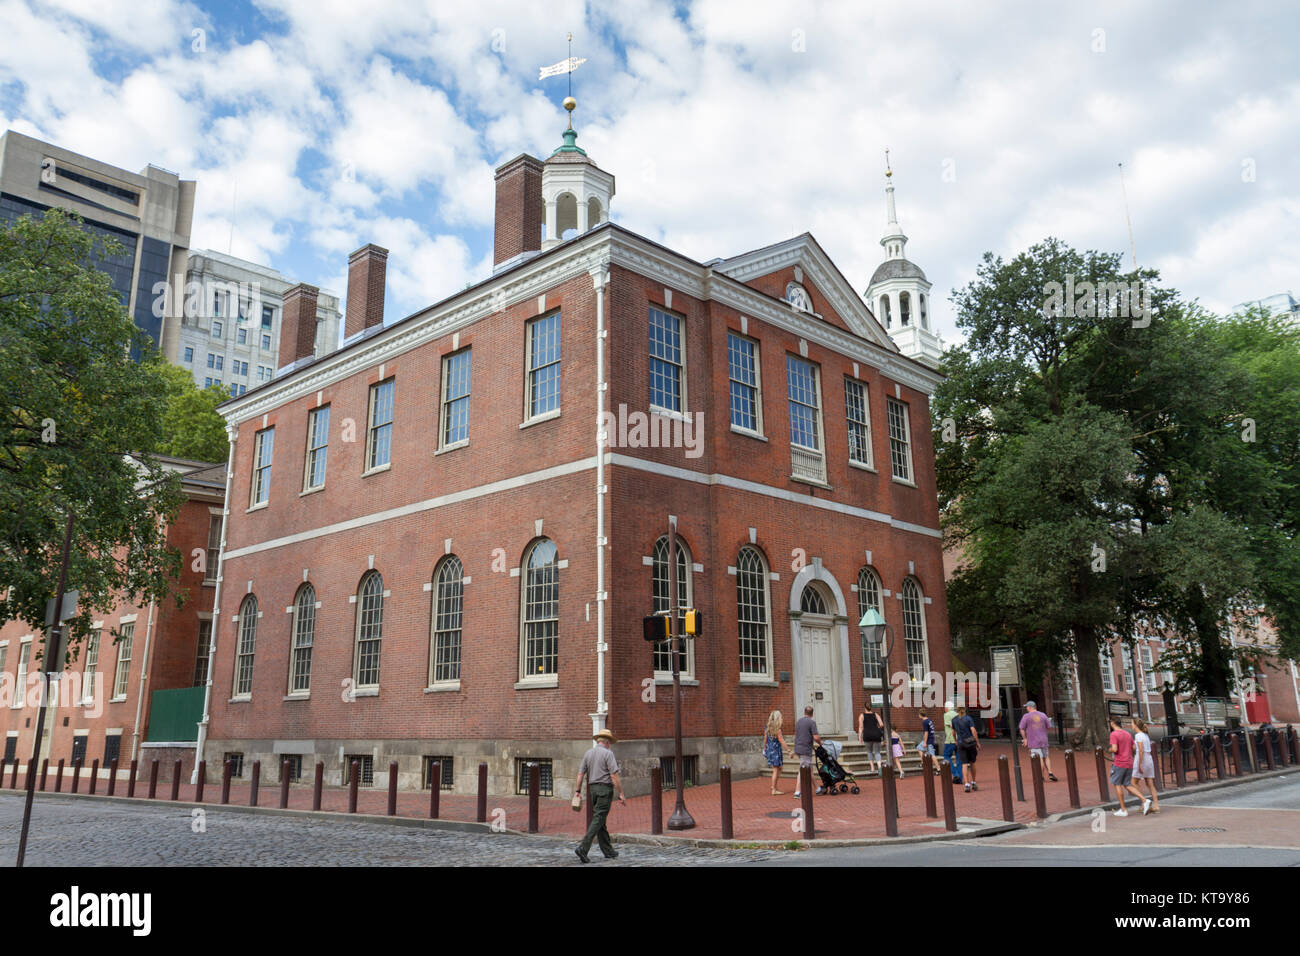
[879,635]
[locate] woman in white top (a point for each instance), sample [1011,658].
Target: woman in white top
[1144,766]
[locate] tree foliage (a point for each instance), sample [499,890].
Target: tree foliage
[192,426]
[81,425]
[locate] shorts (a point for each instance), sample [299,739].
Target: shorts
[805,760]
[1121,776]
[873,750]
[1038,752]
[968,754]
[1146,770]
[926,749]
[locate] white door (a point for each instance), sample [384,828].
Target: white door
[818,679]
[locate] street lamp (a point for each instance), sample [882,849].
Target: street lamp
[879,635]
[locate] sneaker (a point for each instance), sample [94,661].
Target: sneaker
[612,855]
[798,794]
[968,788]
[582,856]
[1146,807]
[974,786]
[902,774]
[1121,813]
[1052,777]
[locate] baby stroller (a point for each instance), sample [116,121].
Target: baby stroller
[834,777]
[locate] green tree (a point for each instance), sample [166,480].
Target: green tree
[81,424]
[192,426]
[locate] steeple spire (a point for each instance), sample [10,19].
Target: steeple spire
[894,241]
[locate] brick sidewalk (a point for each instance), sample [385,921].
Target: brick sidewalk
[757,814]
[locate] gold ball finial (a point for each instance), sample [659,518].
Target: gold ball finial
[570,103]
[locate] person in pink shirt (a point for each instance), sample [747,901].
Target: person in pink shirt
[1121,773]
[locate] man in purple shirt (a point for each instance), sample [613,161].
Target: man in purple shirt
[1033,734]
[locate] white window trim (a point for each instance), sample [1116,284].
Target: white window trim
[684,414]
[907,432]
[371,469]
[767,677]
[756,432]
[925,631]
[870,463]
[529,371]
[312,414]
[259,438]
[689,673]
[443,444]
[526,679]
[360,689]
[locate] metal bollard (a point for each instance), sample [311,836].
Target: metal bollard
[724,789]
[945,791]
[1200,763]
[1180,777]
[112,776]
[656,801]
[1158,763]
[227,769]
[1004,785]
[45,767]
[1218,755]
[255,783]
[1072,780]
[1266,741]
[354,780]
[76,773]
[805,799]
[94,774]
[176,780]
[889,789]
[534,794]
[1236,754]
[481,816]
[58,778]
[927,772]
[392,788]
[435,788]
[130,780]
[1101,776]
[13,781]
[153,780]
[317,785]
[284,784]
[1040,797]
[200,780]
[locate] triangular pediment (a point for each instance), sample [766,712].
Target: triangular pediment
[819,273]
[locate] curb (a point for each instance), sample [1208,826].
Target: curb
[1176,792]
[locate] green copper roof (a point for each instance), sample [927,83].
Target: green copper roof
[570,143]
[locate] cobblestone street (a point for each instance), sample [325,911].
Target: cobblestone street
[83,832]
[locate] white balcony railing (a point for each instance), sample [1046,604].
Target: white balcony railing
[809,464]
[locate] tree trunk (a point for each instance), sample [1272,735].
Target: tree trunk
[1216,672]
[1092,700]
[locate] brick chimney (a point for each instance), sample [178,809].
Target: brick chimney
[298,324]
[519,208]
[366,268]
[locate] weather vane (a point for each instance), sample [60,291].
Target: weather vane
[565,66]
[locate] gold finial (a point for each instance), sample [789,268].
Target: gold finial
[888,172]
[570,104]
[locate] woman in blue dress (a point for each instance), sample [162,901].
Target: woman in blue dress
[774,747]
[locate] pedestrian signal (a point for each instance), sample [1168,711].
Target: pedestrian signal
[693,623]
[655,628]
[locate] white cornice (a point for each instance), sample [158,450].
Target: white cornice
[597,249]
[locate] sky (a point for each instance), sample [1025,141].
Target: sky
[315,126]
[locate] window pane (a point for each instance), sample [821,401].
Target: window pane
[914,631]
[541,611]
[855,403]
[370,626]
[665,361]
[662,658]
[744,382]
[751,607]
[544,365]
[304,636]
[801,378]
[381,423]
[869,597]
[447,620]
[455,413]
[899,455]
[247,644]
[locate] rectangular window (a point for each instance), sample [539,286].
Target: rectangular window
[216,303]
[900,444]
[1148,668]
[294,770]
[112,749]
[379,443]
[221,359]
[544,779]
[212,360]
[804,390]
[666,364]
[366,769]
[1107,673]
[20,684]
[266,341]
[204,653]
[318,430]
[268,315]
[859,421]
[242,336]
[216,330]
[668,771]
[544,365]
[263,446]
[92,663]
[79,748]
[455,398]
[189,354]
[446,772]
[1129,683]
[236,760]
[123,661]
[742,370]
[207,383]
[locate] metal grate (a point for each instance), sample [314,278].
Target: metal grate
[367,762]
[448,772]
[546,788]
[690,770]
[295,765]
[79,748]
[236,761]
[112,749]
[1203,829]
[11,749]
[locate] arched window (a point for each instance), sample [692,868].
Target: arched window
[370,630]
[925,320]
[884,310]
[663,662]
[448,592]
[873,668]
[904,308]
[566,216]
[304,635]
[540,634]
[811,601]
[247,644]
[918,657]
[752,613]
[594,215]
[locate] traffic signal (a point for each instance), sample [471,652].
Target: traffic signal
[655,627]
[693,623]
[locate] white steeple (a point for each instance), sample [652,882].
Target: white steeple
[899,293]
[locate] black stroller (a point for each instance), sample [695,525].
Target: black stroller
[834,777]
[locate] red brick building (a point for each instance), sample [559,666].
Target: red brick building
[432,550]
[140,658]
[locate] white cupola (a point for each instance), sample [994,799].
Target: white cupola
[575,191]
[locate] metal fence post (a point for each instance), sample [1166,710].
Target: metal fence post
[1101,776]
[889,789]
[153,779]
[112,776]
[176,780]
[227,768]
[130,780]
[806,795]
[76,773]
[200,780]
[58,778]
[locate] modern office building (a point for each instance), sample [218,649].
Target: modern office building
[229,332]
[148,213]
